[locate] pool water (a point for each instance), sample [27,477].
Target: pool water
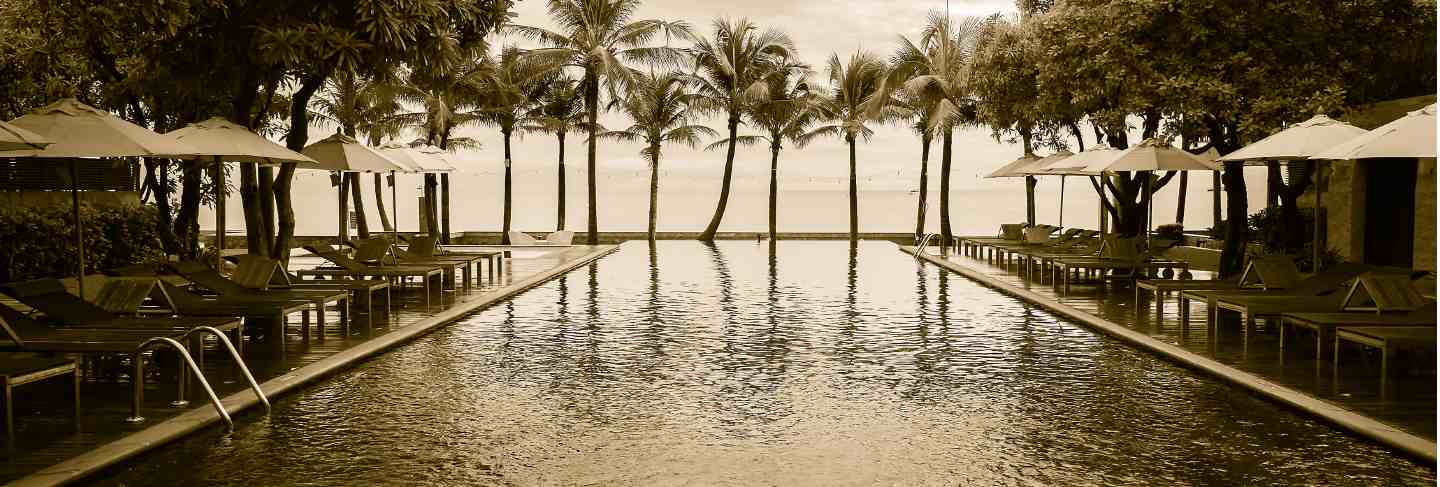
[805,363]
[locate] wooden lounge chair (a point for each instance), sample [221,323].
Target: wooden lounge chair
[1389,340]
[263,269]
[1380,292]
[347,267]
[1323,325]
[429,246]
[378,251]
[1264,273]
[19,371]
[1323,283]
[49,296]
[25,334]
[251,288]
[1119,258]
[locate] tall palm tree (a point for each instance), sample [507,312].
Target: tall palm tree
[917,109]
[854,83]
[731,71]
[511,87]
[558,112]
[660,108]
[444,97]
[934,70]
[784,111]
[598,37]
[360,107]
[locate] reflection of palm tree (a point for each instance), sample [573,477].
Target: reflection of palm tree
[732,70]
[658,106]
[598,37]
[558,112]
[854,83]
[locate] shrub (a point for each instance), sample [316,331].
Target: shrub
[1170,231]
[40,242]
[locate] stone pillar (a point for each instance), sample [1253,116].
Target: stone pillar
[1425,215]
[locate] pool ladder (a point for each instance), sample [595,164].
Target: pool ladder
[924,242]
[138,396]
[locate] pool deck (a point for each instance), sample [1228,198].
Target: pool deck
[105,441]
[1352,405]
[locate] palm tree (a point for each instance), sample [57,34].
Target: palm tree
[854,83]
[660,108]
[511,87]
[731,72]
[934,70]
[784,111]
[918,110]
[357,105]
[598,37]
[443,95]
[558,112]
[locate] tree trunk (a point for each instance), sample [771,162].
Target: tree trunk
[505,226]
[654,191]
[560,201]
[945,144]
[342,229]
[432,217]
[854,193]
[924,189]
[255,242]
[189,209]
[362,227]
[774,181]
[267,206]
[1296,235]
[445,206]
[1274,185]
[294,140]
[592,98]
[1030,183]
[1180,206]
[164,221]
[1236,211]
[709,234]
[380,202]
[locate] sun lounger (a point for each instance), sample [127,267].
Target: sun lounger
[267,269]
[1264,273]
[1324,324]
[427,246]
[382,252]
[19,371]
[1119,258]
[347,267]
[1325,282]
[1389,340]
[252,290]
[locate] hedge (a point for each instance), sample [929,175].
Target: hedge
[40,242]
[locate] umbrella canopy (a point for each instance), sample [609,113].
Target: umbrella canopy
[16,138]
[1076,165]
[1299,141]
[228,141]
[421,158]
[1412,135]
[1041,167]
[1152,155]
[80,130]
[343,153]
[1016,168]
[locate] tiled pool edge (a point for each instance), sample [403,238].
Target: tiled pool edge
[1406,443]
[79,467]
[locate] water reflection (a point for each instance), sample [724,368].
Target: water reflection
[773,364]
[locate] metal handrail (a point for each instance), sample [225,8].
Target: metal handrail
[224,340]
[138,380]
[924,242]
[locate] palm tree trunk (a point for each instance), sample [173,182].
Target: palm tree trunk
[560,214]
[945,188]
[255,243]
[709,234]
[924,183]
[362,227]
[774,181]
[592,97]
[445,208]
[854,194]
[654,190]
[505,225]
[342,227]
[380,202]
[267,206]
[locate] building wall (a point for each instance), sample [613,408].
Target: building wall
[1425,215]
[1344,200]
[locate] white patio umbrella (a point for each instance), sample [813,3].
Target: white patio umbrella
[1152,155]
[421,157]
[1412,135]
[83,133]
[1020,167]
[220,140]
[342,153]
[16,138]
[1075,165]
[1304,140]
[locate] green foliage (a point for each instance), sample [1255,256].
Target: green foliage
[40,242]
[1267,228]
[1170,231]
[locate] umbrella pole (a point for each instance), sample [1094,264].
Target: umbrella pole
[217,177]
[394,211]
[1149,207]
[79,227]
[1061,223]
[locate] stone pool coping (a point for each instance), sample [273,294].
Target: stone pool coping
[79,467]
[1406,443]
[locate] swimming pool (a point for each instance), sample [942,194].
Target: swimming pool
[814,363]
